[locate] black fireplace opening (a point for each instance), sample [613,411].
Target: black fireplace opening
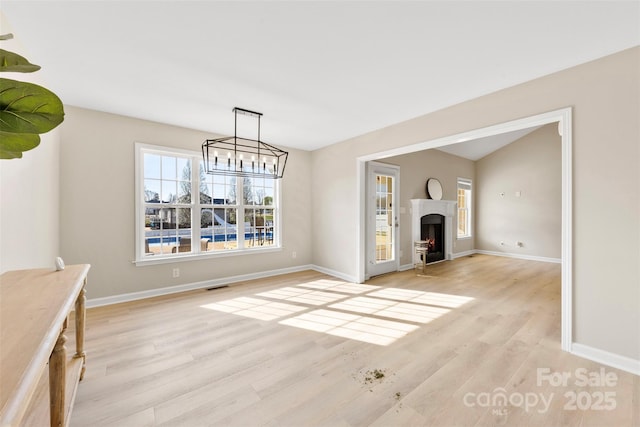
[432,231]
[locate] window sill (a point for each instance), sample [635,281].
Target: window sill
[464,238]
[153,260]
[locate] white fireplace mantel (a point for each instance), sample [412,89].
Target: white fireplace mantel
[422,207]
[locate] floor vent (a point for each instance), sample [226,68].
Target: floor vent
[217,287]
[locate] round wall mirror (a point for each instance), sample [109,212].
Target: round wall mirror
[434,189]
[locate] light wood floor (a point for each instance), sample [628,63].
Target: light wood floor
[307,349]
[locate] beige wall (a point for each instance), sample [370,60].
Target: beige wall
[531,166]
[415,169]
[605,98]
[29,190]
[97,206]
[29,207]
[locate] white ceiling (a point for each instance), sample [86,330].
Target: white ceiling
[320,72]
[478,148]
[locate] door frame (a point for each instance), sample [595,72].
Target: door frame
[395,170]
[564,119]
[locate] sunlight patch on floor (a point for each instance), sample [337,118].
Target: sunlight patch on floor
[429,298]
[388,308]
[306,296]
[255,308]
[335,286]
[367,329]
[346,315]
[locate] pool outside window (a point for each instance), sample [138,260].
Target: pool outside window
[230,215]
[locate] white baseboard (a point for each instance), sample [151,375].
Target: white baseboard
[610,359]
[464,253]
[133,296]
[519,256]
[333,273]
[406,267]
[115,299]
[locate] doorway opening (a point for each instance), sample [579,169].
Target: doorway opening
[563,117]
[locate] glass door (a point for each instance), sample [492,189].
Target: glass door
[382,219]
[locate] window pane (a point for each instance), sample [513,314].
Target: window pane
[268,232]
[384,219]
[231,190]
[151,166]
[462,223]
[183,169]
[184,192]
[247,191]
[464,208]
[269,192]
[169,168]
[184,218]
[206,227]
[222,233]
[206,193]
[169,191]
[219,194]
[462,199]
[258,227]
[163,238]
[152,190]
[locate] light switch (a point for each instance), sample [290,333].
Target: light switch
[518,194]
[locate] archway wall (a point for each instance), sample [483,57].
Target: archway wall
[604,95]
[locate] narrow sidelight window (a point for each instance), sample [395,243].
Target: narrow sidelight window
[464,208]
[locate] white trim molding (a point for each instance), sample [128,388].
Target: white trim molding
[519,256]
[206,284]
[333,273]
[610,359]
[463,253]
[213,283]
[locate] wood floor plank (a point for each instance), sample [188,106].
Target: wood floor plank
[302,349]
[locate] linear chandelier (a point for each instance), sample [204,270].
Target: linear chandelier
[236,156]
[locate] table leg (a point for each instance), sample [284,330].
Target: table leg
[80,318]
[57,381]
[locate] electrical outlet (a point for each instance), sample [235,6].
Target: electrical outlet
[294,254]
[501,243]
[176,273]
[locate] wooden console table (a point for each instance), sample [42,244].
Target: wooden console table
[34,308]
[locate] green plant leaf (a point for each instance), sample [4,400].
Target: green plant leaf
[12,145]
[10,61]
[7,36]
[28,108]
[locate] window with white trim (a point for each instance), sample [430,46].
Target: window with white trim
[229,215]
[464,208]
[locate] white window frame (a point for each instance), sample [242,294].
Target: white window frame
[196,209]
[467,185]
